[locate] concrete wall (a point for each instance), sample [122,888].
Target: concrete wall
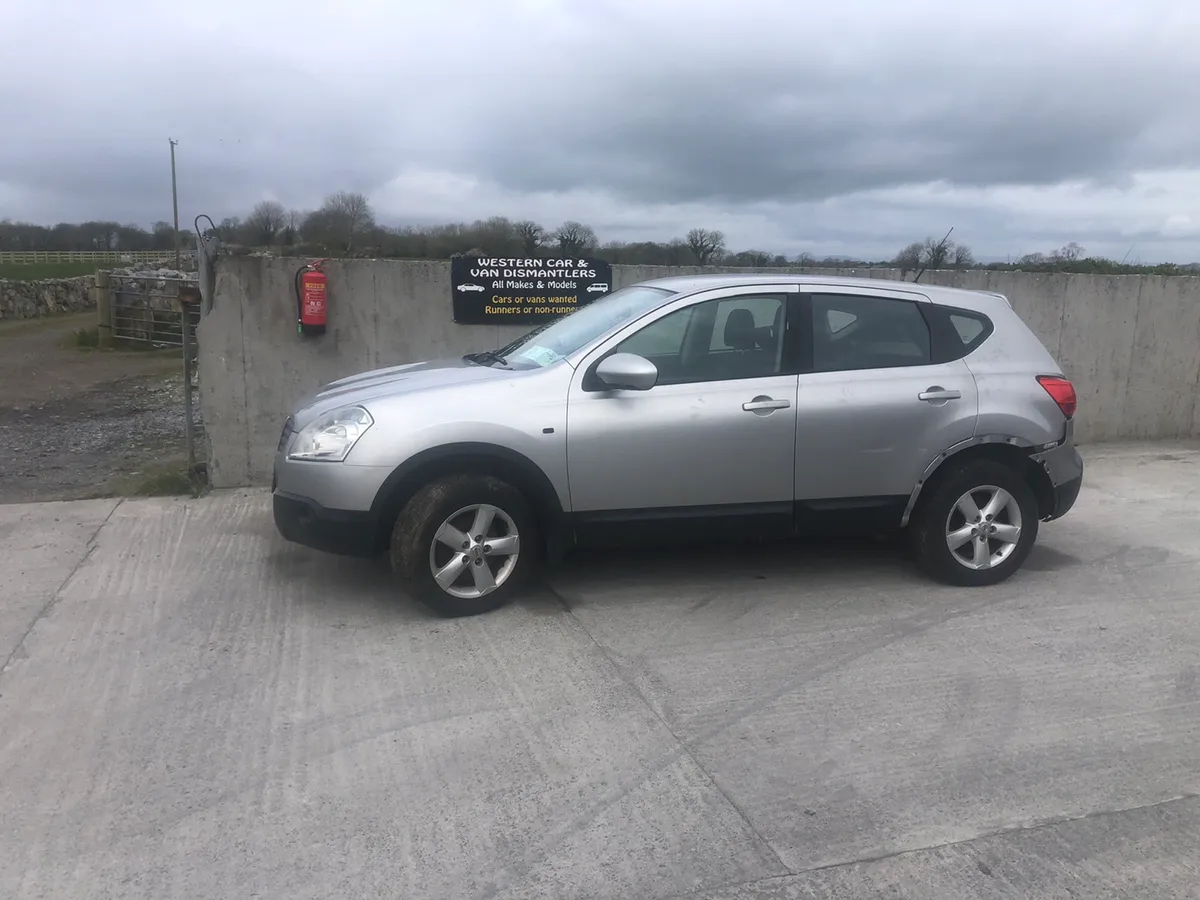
[1131,343]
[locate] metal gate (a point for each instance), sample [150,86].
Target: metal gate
[148,307]
[163,312]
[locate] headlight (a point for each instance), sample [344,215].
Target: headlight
[331,436]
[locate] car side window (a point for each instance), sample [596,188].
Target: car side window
[717,340]
[661,338]
[860,332]
[968,327]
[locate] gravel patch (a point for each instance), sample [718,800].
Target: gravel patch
[79,423]
[72,448]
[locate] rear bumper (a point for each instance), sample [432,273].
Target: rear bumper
[1064,466]
[338,531]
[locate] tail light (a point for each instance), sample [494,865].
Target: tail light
[1062,391]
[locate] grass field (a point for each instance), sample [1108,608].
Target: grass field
[41,271]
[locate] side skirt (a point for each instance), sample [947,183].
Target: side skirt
[739,522]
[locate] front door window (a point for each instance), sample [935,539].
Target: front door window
[718,340]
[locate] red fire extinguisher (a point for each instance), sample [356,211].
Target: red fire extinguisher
[311,300]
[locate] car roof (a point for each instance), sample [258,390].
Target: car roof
[688,284]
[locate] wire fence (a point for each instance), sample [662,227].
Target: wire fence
[116,257]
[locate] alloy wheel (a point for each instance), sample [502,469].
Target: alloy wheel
[474,551]
[983,527]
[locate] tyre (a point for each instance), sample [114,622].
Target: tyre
[464,545]
[977,526]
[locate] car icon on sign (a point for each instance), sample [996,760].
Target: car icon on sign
[470,287]
[597,288]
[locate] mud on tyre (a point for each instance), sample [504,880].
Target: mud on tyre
[465,544]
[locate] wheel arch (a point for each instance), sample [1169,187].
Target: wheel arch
[1001,448]
[475,458]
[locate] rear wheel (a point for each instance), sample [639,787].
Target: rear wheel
[464,545]
[978,525]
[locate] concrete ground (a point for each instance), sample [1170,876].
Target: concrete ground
[191,708]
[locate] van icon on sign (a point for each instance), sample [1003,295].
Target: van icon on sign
[597,288]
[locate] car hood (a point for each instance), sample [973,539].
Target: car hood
[390,381]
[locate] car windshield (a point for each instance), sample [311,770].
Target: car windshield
[549,343]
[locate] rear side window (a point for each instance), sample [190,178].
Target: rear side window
[968,327]
[853,332]
[956,332]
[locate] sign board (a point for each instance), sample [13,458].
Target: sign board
[489,291]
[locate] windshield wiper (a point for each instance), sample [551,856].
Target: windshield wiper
[486,357]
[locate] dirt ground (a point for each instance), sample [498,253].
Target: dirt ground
[78,422]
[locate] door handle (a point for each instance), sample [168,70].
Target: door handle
[939,393]
[765,403]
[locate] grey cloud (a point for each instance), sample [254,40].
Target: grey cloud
[768,109]
[703,133]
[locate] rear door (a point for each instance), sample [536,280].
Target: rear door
[874,406]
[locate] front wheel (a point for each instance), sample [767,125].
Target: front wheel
[977,527]
[464,545]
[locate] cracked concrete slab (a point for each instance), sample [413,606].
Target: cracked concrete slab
[1144,852]
[201,710]
[42,543]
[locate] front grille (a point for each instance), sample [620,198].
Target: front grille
[284,435]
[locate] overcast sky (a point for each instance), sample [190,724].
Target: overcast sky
[848,127]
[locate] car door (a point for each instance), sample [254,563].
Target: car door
[874,407]
[711,446]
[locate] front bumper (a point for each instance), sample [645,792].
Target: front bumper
[325,506]
[338,531]
[1064,467]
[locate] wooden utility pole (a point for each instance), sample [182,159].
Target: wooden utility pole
[175,204]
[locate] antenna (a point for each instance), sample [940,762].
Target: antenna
[940,245]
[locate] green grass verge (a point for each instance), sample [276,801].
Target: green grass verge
[42,271]
[170,478]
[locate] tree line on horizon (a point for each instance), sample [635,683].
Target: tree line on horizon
[345,226]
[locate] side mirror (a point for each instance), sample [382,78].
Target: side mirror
[627,371]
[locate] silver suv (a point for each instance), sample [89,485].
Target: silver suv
[694,408]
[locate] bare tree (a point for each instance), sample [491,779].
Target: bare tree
[498,234]
[910,258]
[707,246]
[292,221]
[753,258]
[575,238]
[531,235]
[265,221]
[342,218]
[229,229]
[935,252]
[163,236]
[1070,253]
[962,257]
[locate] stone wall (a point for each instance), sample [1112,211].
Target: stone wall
[34,299]
[140,287]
